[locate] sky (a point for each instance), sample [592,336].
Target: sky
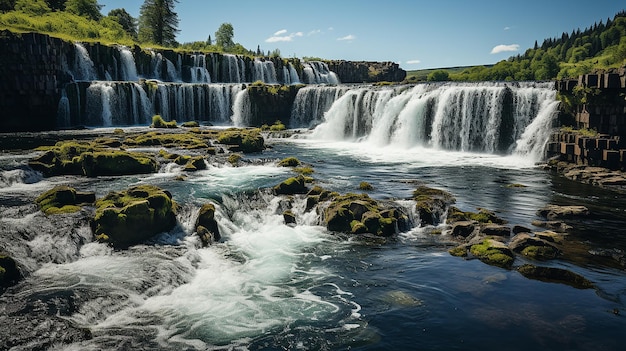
[416,34]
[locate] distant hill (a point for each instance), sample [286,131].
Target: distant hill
[598,47]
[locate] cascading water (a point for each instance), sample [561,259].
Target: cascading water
[111,104]
[264,71]
[241,108]
[83,66]
[129,70]
[484,117]
[317,72]
[63,110]
[233,69]
[311,104]
[199,72]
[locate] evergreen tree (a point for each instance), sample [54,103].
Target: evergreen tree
[128,22]
[209,41]
[158,23]
[84,8]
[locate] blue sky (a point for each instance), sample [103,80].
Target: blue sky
[417,34]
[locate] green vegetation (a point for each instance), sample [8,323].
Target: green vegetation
[493,252]
[589,133]
[289,162]
[365,186]
[158,122]
[63,199]
[234,159]
[483,216]
[306,170]
[244,140]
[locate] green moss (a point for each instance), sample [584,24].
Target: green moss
[459,251]
[289,162]
[112,163]
[234,159]
[490,252]
[304,170]
[158,122]
[63,199]
[278,126]
[365,186]
[191,124]
[290,186]
[244,140]
[540,252]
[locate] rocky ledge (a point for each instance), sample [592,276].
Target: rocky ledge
[597,176]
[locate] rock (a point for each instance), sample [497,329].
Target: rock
[483,216]
[463,228]
[115,163]
[555,275]
[431,204]
[63,199]
[558,226]
[495,230]
[206,220]
[133,216]
[520,229]
[9,272]
[289,162]
[555,212]
[195,164]
[291,186]
[533,247]
[459,251]
[289,217]
[493,252]
[243,140]
[206,237]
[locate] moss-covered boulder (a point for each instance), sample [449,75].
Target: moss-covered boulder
[289,162]
[130,217]
[114,163]
[431,204]
[493,252]
[159,122]
[289,217]
[206,225]
[9,272]
[291,186]
[555,275]
[534,247]
[242,140]
[358,214]
[64,199]
[91,159]
[195,163]
[556,212]
[483,216]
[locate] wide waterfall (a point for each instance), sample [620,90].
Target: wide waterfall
[317,72]
[476,117]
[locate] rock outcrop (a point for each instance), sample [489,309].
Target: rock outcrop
[64,199]
[367,72]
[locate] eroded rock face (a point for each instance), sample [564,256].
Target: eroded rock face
[130,217]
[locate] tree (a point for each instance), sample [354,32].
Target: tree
[128,22]
[32,7]
[158,23]
[84,8]
[224,36]
[209,41]
[56,5]
[438,76]
[7,5]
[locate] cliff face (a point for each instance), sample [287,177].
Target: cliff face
[367,72]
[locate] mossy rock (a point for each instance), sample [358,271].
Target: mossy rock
[534,247]
[493,252]
[555,275]
[244,140]
[483,216]
[63,199]
[195,163]
[115,163]
[291,186]
[359,214]
[187,140]
[191,124]
[130,217]
[9,272]
[289,162]
[365,186]
[289,217]
[206,220]
[159,122]
[431,204]
[459,251]
[234,159]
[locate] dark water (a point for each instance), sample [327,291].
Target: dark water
[270,286]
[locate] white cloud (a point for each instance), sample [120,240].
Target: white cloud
[347,37]
[504,48]
[280,36]
[313,32]
[413,62]
[507,28]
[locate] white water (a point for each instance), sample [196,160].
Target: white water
[83,66]
[110,104]
[264,71]
[317,72]
[462,117]
[234,69]
[129,70]
[63,110]
[199,72]
[241,109]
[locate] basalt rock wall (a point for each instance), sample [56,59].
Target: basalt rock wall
[367,72]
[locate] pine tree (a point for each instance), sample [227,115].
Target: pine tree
[158,23]
[128,22]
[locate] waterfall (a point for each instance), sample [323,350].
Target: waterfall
[476,117]
[232,71]
[317,72]
[311,104]
[129,69]
[264,71]
[83,66]
[199,72]
[63,110]
[293,75]
[164,69]
[241,109]
[117,104]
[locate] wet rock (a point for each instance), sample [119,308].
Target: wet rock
[289,217]
[9,272]
[431,204]
[195,164]
[555,275]
[483,216]
[206,220]
[463,228]
[242,140]
[130,217]
[520,229]
[493,252]
[556,212]
[533,247]
[64,199]
[558,226]
[291,186]
[495,230]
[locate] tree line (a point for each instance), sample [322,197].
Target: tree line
[157,24]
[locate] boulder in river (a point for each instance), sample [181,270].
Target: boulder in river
[556,212]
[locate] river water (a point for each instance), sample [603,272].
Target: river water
[270,286]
